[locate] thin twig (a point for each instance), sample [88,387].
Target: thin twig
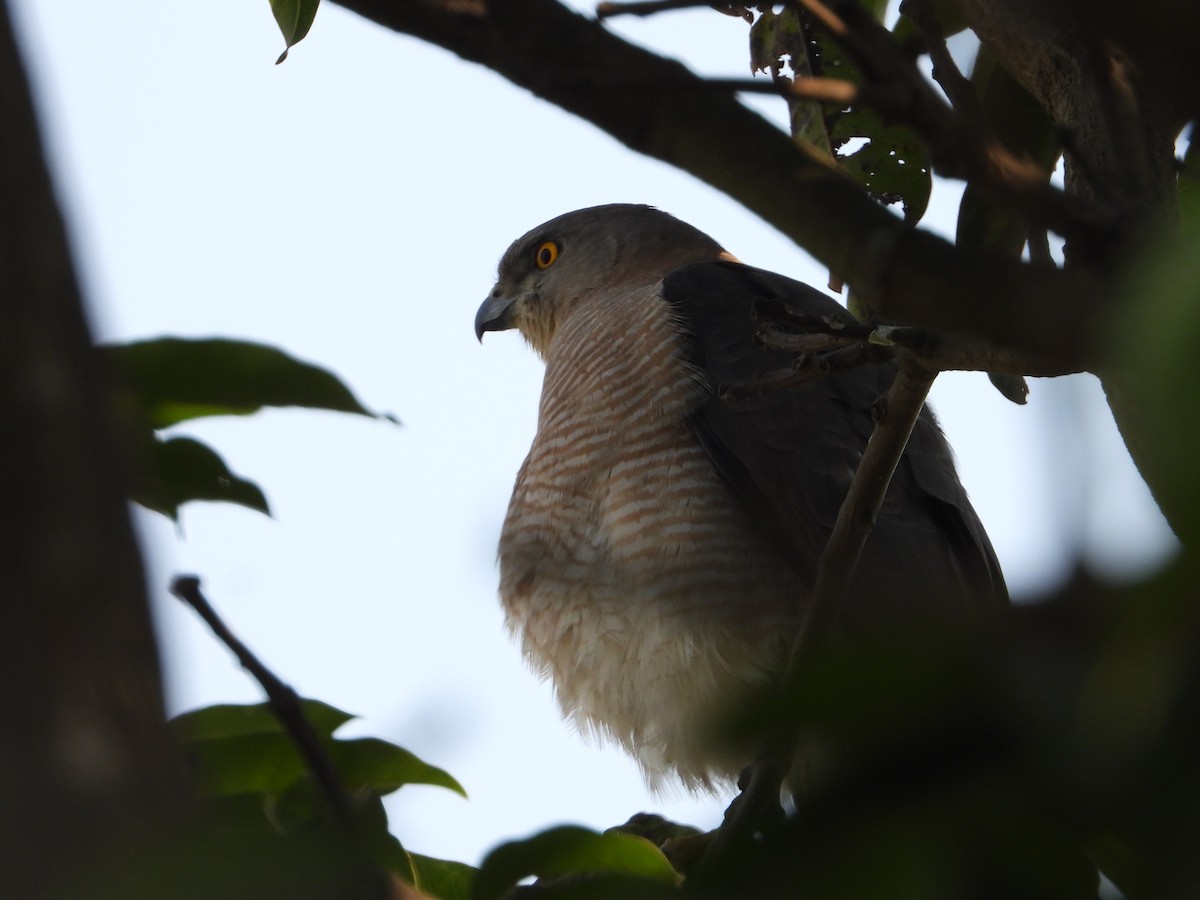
[283,700]
[856,517]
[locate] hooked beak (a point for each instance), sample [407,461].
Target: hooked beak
[495,314]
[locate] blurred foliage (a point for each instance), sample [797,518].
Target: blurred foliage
[166,381]
[253,794]
[1156,341]
[583,862]
[1002,754]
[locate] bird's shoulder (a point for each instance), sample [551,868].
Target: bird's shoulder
[791,454]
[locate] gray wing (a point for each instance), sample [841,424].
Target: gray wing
[791,455]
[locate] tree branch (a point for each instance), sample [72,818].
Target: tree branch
[659,108]
[856,518]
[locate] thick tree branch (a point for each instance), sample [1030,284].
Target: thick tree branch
[1063,53]
[1057,54]
[659,108]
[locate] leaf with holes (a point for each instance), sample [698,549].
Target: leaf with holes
[891,162]
[778,40]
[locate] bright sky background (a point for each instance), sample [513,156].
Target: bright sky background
[350,206]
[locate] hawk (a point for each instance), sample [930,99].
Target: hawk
[660,544]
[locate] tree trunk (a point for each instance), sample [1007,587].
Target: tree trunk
[84,752]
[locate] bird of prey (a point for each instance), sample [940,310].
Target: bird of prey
[660,544]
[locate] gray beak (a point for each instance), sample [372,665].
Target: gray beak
[495,314]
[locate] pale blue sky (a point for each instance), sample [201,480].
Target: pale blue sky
[350,206]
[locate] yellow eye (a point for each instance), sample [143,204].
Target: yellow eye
[546,254]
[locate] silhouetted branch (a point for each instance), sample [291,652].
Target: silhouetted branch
[284,702]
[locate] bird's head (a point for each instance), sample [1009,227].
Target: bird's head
[563,262]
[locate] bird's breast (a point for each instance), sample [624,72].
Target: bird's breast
[628,569]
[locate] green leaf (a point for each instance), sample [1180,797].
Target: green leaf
[171,379]
[1157,337]
[245,750]
[237,720]
[570,850]
[182,469]
[893,164]
[235,813]
[383,767]
[442,878]
[294,18]
[236,749]
[246,764]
